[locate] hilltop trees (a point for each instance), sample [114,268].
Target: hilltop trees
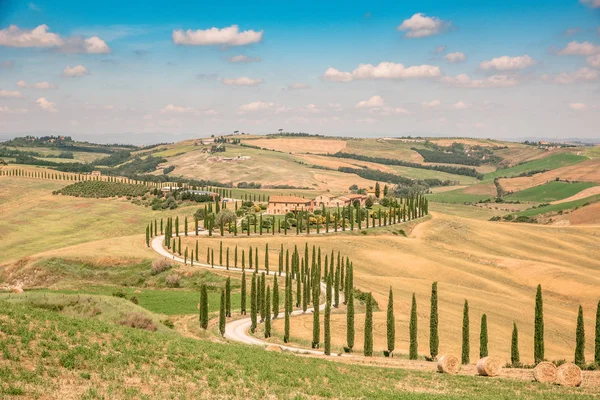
[434,339]
[466,348]
[538,337]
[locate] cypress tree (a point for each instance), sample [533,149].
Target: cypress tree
[434,338]
[197,252]
[253,308]
[327,320]
[221,253]
[316,323]
[148,236]
[350,321]
[275,298]
[466,348]
[179,245]
[287,310]
[267,258]
[256,259]
[262,304]
[185,226]
[222,314]
[243,294]
[597,343]
[515,358]
[368,347]
[336,287]
[235,256]
[227,258]
[580,339]
[391,323]
[228,297]
[413,352]
[268,313]
[249,258]
[203,307]
[538,338]
[483,337]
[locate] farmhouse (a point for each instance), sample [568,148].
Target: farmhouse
[330,201]
[324,200]
[284,204]
[351,198]
[96,173]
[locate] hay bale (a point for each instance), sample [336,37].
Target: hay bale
[545,372]
[274,347]
[17,290]
[488,366]
[569,374]
[448,364]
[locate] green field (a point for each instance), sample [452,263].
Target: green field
[457,196]
[547,163]
[97,359]
[559,207]
[551,191]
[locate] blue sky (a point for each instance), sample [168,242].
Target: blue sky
[132,71]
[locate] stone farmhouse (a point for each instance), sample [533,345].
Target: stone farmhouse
[285,204]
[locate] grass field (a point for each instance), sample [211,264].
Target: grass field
[457,196]
[559,207]
[551,191]
[547,163]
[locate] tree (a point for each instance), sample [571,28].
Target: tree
[538,338]
[466,347]
[316,323]
[253,307]
[368,346]
[222,314]
[148,236]
[203,307]
[275,298]
[350,321]
[597,344]
[391,323]
[327,321]
[580,339]
[515,358]
[483,337]
[414,344]
[377,190]
[268,313]
[228,297]
[434,338]
[264,310]
[287,308]
[243,294]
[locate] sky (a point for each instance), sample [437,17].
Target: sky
[144,72]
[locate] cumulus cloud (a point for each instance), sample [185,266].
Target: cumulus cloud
[591,3]
[241,81]
[76,71]
[584,74]
[297,86]
[38,85]
[575,48]
[384,70]
[373,102]
[46,105]
[10,94]
[420,25]
[454,58]
[8,110]
[230,36]
[594,61]
[577,106]
[431,104]
[13,36]
[262,106]
[507,63]
[463,80]
[173,109]
[243,59]
[460,105]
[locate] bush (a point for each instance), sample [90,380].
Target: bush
[160,265]
[120,293]
[172,280]
[134,300]
[168,323]
[139,321]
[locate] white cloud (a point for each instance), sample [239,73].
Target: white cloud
[431,104]
[13,36]
[463,80]
[173,109]
[230,36]
[591,3]
[10,94]
[46,105]
[580,49]
[384,70]
[38,85]
[506,63]
[420,25]
[373,102]
[241,81]
[8,110]
[584,74]
[578,106]
[262,106]
[312,108]
[76,71]
[454,58]
[440,49]
[460,105]
[594,61]
[297,86]
[243,59]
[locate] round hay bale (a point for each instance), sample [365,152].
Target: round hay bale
[448,364]
[488,366]
[274,347]
[569,374]
[545,372]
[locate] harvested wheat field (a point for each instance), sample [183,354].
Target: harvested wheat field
[587,171]
[300,145]
[581,195]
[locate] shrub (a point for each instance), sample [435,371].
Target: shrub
[168,323]
[172,280]
[160,265]
[120,293]
[138,320]
[134,300]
